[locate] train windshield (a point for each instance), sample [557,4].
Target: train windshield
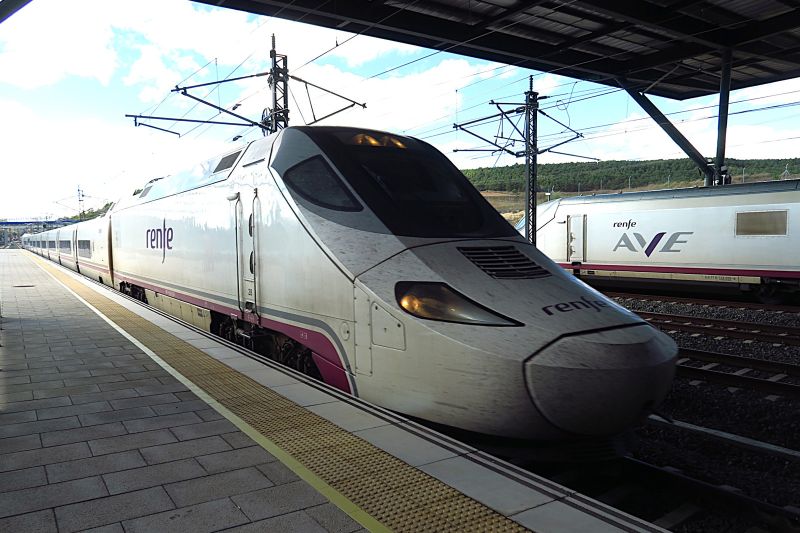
[414,189]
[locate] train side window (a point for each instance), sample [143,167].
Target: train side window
[315,181]
[84,248]
[762,223]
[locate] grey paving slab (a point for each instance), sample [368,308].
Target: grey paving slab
[151,476]
[69,410]
[116,416]
[209,415]
[159,422]
[182,450]
[128,384]
[22,479]
[411,448]
[112,509]
[161,388]
[333,519]
[277,472]
[203,429]
[292,522]
[43,456]
[237,439]
[180,407]
[231,460]
[99,396]
[558,516]
[347,416]
[278,500]
[66,391]
[110,528]
[12,397]
[18,417]
[145,400]
[47,496]
[131,442]
[92,466]
[216,486]
[54,438]
[35,404]
[38,522]
[205,517]
[39,378]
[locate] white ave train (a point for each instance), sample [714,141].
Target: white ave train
[368,260]
[744,236]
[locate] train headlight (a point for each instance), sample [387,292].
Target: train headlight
[438,301]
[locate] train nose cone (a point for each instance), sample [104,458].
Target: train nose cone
[602,383]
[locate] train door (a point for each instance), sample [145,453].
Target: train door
[576,238]
[247,213]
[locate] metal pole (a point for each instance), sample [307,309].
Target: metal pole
[722,123]
[531,113]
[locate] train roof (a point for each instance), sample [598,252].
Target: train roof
[693,192]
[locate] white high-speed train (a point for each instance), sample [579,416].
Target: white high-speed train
[745,236]
[368,260]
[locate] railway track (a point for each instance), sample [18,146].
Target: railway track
[733,304]
[741,372]
[724,328]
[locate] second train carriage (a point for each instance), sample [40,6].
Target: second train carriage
[744,236]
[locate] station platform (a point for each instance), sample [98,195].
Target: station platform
[116,417]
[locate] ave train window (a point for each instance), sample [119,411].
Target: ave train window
[315,181]
[413,188]
[762,223]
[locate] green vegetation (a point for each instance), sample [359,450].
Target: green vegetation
[615,175]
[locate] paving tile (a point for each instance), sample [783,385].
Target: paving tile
[69,410]
[18,417]
[34,386]
[216,486]
[15,380]
[488,487]
[143,400]
[558,516]
[35,404]
[40,378]
[210,415]
[161,388]
[65,391]
[304,395]
[130,442]
[204,429]
[22,479]
[237,439]
[278,500]
[410,448]
[333,519]
[231,460]
[128,384]
[180,407]
[54,438]
[38,522]
[112,509]
[15,397]
[116,416]
[150,476]
[110,528]
[296,521]
[176,421]
[93,466]
[43,456]
[34,499]
[347,416]
[125,369]
[187,396]
[182,450]
[95,380]
[98,396]
[205,517]
[278,473]
[13,430]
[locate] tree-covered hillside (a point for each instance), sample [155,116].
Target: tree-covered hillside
[610,175]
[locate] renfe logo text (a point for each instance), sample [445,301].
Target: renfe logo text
[578,305]
[160,239]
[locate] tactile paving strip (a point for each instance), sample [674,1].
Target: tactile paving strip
[393,493]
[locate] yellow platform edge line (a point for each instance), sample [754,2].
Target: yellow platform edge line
[335,497]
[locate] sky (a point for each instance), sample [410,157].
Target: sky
[71,71]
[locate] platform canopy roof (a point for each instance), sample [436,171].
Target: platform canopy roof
[671,48]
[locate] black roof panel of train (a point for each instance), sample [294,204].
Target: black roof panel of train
[695,192]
